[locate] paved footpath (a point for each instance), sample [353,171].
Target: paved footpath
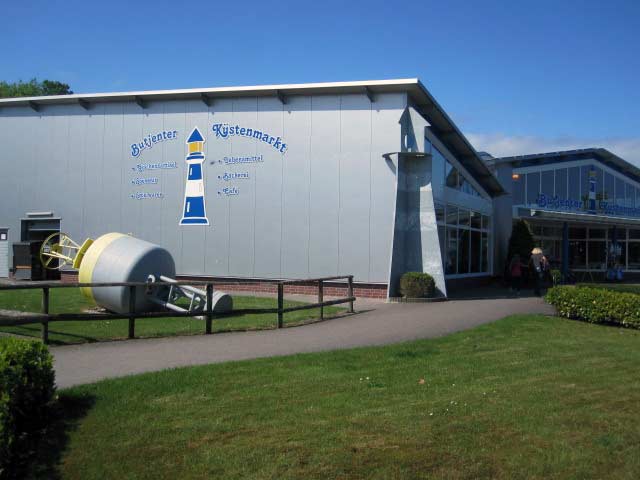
[382,324]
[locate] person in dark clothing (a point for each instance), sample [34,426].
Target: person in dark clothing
[515,272]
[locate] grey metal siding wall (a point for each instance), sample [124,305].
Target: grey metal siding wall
[324,207]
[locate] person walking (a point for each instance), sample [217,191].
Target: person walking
[538,262]
[515,272]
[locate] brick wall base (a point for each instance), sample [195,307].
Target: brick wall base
[331,289]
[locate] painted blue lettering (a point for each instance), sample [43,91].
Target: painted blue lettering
[224,130]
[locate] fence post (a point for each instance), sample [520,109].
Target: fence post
[350,292]
[280,304]
[209,308]
[45,310]
[132,310]
[321,297]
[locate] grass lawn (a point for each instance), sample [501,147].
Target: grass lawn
[525,397]
[71,300]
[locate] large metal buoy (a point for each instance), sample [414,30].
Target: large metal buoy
[116,257]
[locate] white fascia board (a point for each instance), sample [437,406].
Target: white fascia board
[259,89]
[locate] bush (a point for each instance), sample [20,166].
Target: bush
[417,285]
[521,241]
[26,391]
[596,305]
[556,276]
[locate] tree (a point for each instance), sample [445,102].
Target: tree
[521,241]
[33,88]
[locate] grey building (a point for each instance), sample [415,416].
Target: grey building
[271,182]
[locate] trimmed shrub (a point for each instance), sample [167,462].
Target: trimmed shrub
[417,285]
[26,391]
[596,305]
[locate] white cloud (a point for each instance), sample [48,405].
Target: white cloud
[500,145]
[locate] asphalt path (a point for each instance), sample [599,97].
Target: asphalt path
[379,324]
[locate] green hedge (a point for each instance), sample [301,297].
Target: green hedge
[26,391]
[596,305]
[417,285]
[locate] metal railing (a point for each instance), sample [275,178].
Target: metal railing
[15,318]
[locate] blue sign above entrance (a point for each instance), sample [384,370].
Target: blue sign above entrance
[591,206]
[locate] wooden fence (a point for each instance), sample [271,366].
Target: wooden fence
[14,318]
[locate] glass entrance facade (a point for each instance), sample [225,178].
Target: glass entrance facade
[464,240]
[591,247]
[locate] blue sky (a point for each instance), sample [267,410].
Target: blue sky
[516,76]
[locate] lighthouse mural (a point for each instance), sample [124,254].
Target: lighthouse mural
[194,212]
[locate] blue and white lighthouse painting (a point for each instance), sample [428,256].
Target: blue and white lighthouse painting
[194,212]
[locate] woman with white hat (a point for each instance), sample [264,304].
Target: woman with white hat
[538,261]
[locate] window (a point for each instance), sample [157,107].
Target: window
[597,255]
[452,215]
[561,183]
[599,184]
[464,237]
[551,231]
[463,250]
[437,162]
[584,183]
[456,180]
[577,233]
[546,183]
[475,251]
[620,198]
[577,254]
[463,217]
[617,251]
[484,266]
[439,212]
[630,194]
[451,258]
[533,187]
[450,175]
[476,220]
[574,183]
[634,256]
[609,187]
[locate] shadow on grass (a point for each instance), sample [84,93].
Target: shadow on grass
[41,457]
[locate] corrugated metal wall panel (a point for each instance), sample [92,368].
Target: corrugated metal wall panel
[324,207]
